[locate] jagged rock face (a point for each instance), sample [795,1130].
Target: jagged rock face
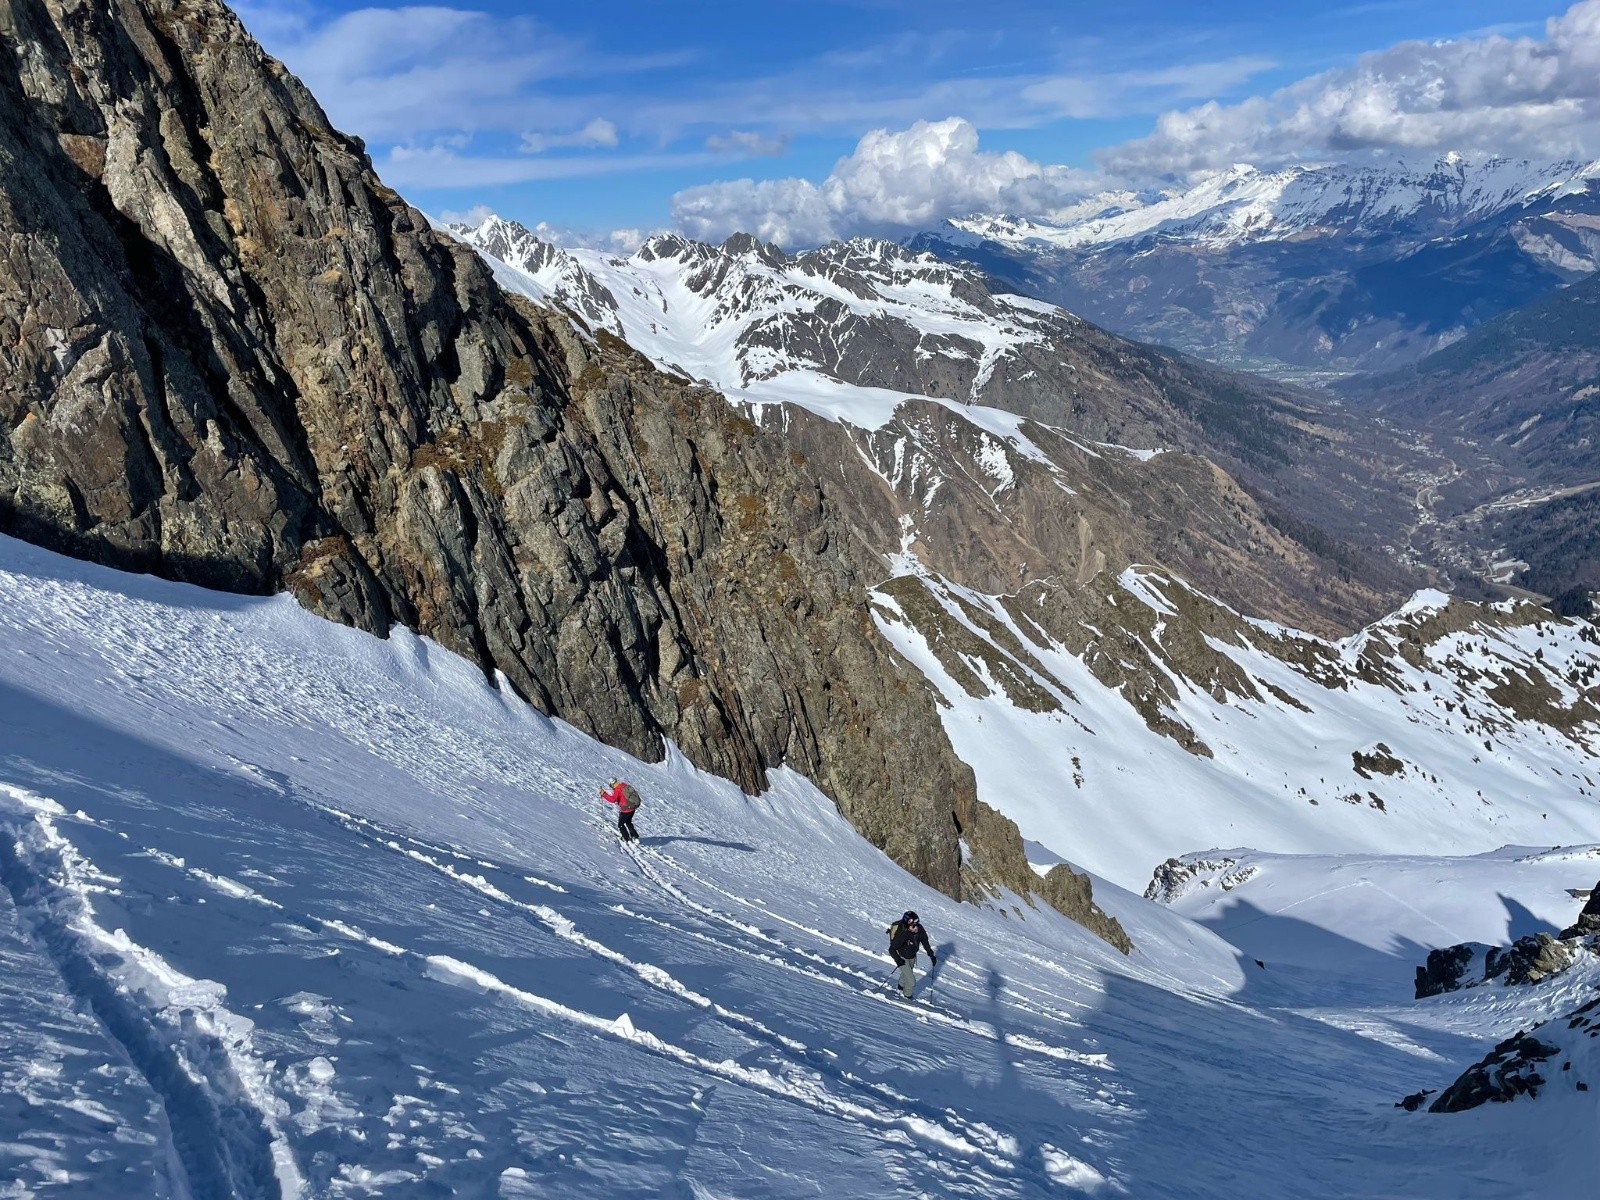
[1446,969]
[1513,1068]
[1559,1054]
[1070,892]
[229,354]
[1528,960]
[1588,922]
[1041,508]
[772,645]
[745,316]
[1177,877]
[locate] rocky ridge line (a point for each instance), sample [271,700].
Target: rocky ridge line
[230,355]
[749,318]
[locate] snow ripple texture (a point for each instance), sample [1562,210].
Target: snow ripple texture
[316,914]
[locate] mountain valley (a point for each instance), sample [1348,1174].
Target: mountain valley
[1311,271]
[345,554]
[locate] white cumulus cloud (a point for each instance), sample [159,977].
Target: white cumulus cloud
[597,133]
[1536,97]
[1532,96]
[891,181]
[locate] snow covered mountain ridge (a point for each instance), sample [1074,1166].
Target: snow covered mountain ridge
[854,331]
[1245,204]
[1162,718]
[1307,268]
[756,323]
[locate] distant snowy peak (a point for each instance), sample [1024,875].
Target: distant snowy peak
[1245,204]
[526,264]
[852,330]
[746,317]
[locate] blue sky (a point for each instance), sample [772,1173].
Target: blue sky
[644,115]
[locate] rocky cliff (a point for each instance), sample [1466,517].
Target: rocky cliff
[1557,1056]
[854,323]
[229,354]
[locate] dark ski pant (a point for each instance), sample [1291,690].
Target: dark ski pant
[625,827]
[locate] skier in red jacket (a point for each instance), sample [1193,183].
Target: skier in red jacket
[627,802]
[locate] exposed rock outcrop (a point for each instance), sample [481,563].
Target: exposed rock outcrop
[1527,1062]
[1560,1054]
[1449,969]
[1177,877]
[1071,893]
[230,355]
[1513,1068]
[1380,760]
[1588,922]
[1528,960]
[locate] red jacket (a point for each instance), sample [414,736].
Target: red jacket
[623,796]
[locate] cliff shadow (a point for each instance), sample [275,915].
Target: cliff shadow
[1520,922]
[1210,1098]
[1284,957]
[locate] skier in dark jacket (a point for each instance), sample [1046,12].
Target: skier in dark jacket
[905,936]
[627,802]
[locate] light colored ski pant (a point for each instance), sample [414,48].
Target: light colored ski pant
[907,976]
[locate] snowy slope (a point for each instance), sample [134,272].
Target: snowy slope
[1244,204]
[355,920]
[1377,916]
[1282,718]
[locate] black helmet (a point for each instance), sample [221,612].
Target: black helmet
[909,916]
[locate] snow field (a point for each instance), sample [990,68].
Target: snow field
[318,914]
[1376,917]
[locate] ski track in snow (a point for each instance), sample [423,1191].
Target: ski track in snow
[329,916]
[945,1131]
[970,1138]
[194,1053]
